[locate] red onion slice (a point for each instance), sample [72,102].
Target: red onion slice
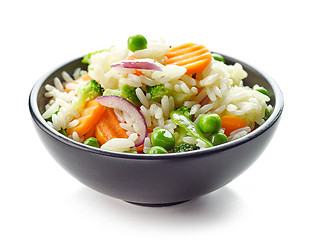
[137,64]
[126,106]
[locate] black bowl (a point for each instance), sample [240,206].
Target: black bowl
[156,180]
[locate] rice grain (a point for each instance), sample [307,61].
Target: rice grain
[143,99]
[67,77]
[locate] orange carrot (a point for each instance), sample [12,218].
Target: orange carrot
[140,148]
[138,72]
[89,116]
[108,127]
[85,77]
[231,123]
[195,58]
[90,133]
[132,57]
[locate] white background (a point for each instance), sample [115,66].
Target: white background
[39,200]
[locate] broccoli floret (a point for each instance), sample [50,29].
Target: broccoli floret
[157,91]
[87,92]
[183,110]
[124,91]
[185,147]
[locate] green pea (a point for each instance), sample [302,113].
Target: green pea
[156,150]
[218,138]
[163,138]
[210,123]
[218,57]
[263,91]
[92,141]
[137,42]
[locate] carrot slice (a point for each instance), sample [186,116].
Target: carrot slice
[90,133]
[89,116]
[108,127]
[195,58]
[231,123]
[140,148]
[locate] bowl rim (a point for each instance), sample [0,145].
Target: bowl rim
[42,124]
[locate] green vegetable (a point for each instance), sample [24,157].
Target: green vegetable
[156,150]
[63,132]
[87,92]
[218,138]
[262,90]
[267,114]
[185,147]
[210,123]
[218,57]
[183,110]
[163,138]
[92,141]
[181,134]
[265,92]
[137,42]
[157,91]
[124,91]
[180,117]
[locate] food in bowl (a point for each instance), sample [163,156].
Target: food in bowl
[149,98]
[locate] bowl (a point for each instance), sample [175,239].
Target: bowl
[162,179]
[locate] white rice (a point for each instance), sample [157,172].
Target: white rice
[120,144]
[241,132]
[195,108]
[165,106]
[147,144]
[68,78]
[155,50]
[143,99]
[190,140]
[76,137]
[201,143]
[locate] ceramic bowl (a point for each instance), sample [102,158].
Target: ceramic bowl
[156,180]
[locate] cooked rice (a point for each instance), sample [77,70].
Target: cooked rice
[120,144]
[67,78]
[147,144]
[241,132]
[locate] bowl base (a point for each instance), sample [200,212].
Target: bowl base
[157,204]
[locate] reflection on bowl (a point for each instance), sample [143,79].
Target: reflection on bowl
[156,180]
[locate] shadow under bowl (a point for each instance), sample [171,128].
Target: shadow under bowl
[156,180]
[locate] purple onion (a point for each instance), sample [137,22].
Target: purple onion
[137,64]
[126,106]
